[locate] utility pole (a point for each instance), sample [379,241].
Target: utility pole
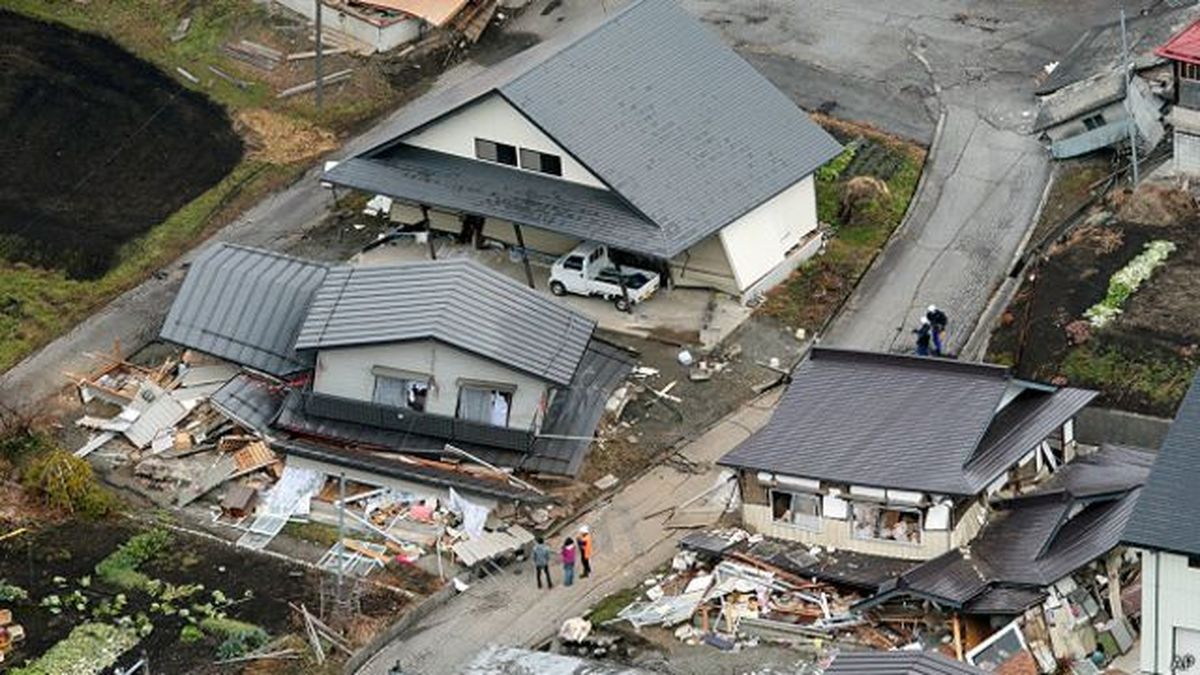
[1128,89]
[321,48]
[341,547]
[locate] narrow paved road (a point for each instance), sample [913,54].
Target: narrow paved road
[509,609]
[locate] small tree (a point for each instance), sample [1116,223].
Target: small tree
[67,482]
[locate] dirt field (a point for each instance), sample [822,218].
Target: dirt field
[105,147]
[52,562]
[1143,360]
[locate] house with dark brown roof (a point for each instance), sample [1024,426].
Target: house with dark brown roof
[898,456]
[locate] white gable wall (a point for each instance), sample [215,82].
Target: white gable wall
[347,372]
[1170,612]
[758,242]
[492,118]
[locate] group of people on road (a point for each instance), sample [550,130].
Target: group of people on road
[931,334]
[574,549]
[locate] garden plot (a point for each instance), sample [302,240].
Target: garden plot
[1111,306]
[101,594]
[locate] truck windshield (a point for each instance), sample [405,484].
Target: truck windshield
[573,263]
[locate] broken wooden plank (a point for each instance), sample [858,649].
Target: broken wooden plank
[240,84]
[187,75]
[301,56]
[309,86]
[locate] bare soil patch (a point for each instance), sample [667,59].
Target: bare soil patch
[100,147]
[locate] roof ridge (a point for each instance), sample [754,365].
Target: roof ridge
[266,253]
[910,360]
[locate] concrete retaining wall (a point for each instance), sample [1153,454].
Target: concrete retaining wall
[1102,425]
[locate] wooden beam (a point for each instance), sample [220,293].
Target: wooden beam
[524,255]
[958,645]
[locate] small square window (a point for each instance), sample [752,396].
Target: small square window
[1194,562]
[1094,122]
[796,509]
[400,392]
[492,151]
[484,404]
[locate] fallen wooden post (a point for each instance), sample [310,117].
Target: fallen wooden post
[240,84]
[300,56]
[309,86]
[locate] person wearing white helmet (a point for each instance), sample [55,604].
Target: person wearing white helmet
[924,332]
[937,323]
[585,550]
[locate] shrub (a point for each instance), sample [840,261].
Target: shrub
[11,593]
[120,568]
[240,637]
[190,633]
[67,482]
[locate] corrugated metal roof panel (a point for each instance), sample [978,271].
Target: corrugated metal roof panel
[458,302]
[245,305]
[1166,515]
[898,663]
[251,401]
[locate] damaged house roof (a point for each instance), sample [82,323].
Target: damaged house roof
[688,136]
[900,662]
[1033,540]
[935,425]
[457,302]
[1165,517]
[245,305]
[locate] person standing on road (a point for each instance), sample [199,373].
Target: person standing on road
[924,333]
[585,550]
[541,562]
[568,561]
[937,322]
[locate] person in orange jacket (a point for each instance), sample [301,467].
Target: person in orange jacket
[585,550]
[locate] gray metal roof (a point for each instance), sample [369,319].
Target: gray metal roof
[249,400]
[484,189]
[898,663]
[1079,99]
[927,428]
[1034,540]
[245,305]
[458,302]
[657,107]
[1167,517]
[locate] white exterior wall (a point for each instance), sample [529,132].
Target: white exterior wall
[380,37]
[536,239]
[492,118]
[759,241]
[346,372]
[705,265]
[1170,607]
[836,534]
[1187,151]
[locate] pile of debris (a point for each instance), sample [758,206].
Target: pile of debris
[10,633]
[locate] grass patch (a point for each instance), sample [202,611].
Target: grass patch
[811,294]
[90,648]
[609,607]
[1157,377]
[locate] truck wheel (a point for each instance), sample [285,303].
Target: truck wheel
[621,304]
[557,288]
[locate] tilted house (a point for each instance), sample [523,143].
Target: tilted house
[1165,526]
[896,455]
[1032,540]
[647,134]
[1183,52]
[446,359]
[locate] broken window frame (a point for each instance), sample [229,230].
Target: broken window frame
[415,390]
[881,509]
[495,152]
[493,390]
[808,522]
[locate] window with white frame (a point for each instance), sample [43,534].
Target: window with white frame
[542,162]
[797,509]
[401,391]
[879,522]
[485,403]
[501,153]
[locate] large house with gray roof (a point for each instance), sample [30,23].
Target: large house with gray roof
[1165,527]
[898,456]
[354,366]
[647,134]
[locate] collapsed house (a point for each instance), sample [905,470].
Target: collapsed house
[1165,529]
[440,381]
[647,134]
[898,456]
[380,25]
[1036,553]
[1084,103]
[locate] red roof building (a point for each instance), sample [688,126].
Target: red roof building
[1183,46]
